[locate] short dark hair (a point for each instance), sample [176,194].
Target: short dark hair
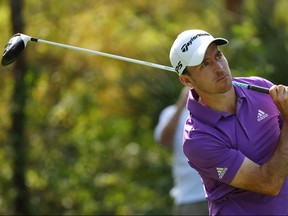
[185,71]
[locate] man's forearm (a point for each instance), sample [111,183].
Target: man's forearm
[168,133]
[276,168]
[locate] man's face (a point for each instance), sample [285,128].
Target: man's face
[212,76]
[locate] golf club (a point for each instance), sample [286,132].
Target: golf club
[19,41]
[252,87]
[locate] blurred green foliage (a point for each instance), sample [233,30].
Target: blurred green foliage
[90,119]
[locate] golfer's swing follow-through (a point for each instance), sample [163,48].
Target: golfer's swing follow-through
[235,138]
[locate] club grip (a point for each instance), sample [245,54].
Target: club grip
[258,89]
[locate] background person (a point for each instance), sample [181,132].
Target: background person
[188,192]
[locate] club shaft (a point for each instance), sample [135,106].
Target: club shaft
[136,61]
[252,87]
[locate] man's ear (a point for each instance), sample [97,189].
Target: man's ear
[186,80]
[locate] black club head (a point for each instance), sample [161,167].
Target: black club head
[13,49]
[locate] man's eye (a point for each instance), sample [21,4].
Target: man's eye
[219,54]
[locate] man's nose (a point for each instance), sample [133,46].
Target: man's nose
[217,66]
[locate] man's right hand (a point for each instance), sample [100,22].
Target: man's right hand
[279,94]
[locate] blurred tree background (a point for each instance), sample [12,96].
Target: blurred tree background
[76,130]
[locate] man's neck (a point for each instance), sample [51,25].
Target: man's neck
[225,102]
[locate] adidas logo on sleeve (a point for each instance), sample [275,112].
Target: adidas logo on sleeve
[221,171]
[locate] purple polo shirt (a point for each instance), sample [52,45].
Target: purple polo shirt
[216,144]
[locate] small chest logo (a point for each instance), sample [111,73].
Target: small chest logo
[261,115]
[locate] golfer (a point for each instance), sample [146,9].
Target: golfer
[237,139]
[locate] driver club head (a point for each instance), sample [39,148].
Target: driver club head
[14,48]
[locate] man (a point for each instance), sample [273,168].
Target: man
[187,192]
[237,139]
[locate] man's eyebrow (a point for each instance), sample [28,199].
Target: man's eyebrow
[205,58]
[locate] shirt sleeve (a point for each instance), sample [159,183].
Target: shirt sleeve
[212,156]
